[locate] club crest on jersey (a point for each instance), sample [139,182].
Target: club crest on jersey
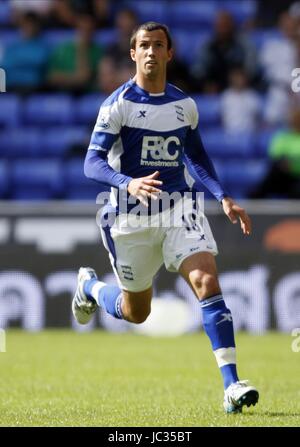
[156,152]
[179,113]
[103,123]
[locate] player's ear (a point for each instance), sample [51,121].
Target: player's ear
[132,54]
[170,54]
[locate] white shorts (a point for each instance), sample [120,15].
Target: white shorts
[137,252]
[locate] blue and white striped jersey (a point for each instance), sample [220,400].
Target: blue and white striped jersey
[138,133]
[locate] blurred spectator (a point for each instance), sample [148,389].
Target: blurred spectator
[278,58]
[279,100]
[66,12]
[125,23]
[178,74]
[25,61]
[42,8]
[284,175]
[278,55]
[294,11]
[226,50]
[240,104]
[108,76]
[117,67]
[268,12]
[73,65]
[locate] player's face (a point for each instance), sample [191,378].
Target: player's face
[151,53]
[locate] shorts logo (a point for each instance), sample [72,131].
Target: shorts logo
[127,272]
[194,249]
[155,151]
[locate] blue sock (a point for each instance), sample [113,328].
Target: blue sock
[108,297]
[217,322]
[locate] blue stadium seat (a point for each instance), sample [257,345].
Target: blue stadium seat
[87,108]
[21,142]
[209,108]
[34,142]
[263,141]
[148,10]
[56,37]
[10,110]
[59,141]
[77,186]
[36,179]
[187,46]
[8,36]
[49,109]
[192,13]
[223,145]
[4,178]
[242,176]
[5,12]
[106,37]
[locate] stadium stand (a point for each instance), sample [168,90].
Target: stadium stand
[77,186]
[10,106]
[4,179]
[36,179]
[49,109]
[41,133]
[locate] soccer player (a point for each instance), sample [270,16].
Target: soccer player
[147,124]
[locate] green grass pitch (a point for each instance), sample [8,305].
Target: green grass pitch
[62,378]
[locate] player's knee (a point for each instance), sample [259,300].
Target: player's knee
[205,284]
[139,317]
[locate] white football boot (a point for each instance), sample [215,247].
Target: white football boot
[82,306]
[239,394]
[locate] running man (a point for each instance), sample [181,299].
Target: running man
[145,137]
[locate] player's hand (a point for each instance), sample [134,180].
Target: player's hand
[144,188]
[235,212]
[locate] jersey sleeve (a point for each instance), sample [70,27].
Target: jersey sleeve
[198,162]
[105,134]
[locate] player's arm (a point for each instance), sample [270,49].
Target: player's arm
[105,134]
[96,165]
[200,166]
[235,213]
[97,168]
[202,169]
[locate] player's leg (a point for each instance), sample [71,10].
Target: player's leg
[190,249]
[200,271]
[136,306]
[135,260]
[122,304]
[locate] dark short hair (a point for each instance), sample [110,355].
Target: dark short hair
[151,26]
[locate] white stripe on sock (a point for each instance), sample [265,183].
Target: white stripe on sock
[95,290]
[225,356]
[213,299]
[212,302]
